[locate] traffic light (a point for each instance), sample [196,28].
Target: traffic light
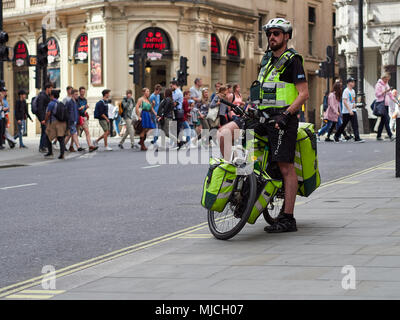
[42,53]
[4,50]
[182,73]
[323,70]
[134,67]
[38,77]
[330,59]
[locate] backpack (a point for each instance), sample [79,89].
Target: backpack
[34,105]
[325,103]
[97,111]
[120,109]
[61,112]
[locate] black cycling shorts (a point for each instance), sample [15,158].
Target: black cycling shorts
[282,142]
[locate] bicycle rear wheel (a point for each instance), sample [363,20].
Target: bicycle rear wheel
[225,225]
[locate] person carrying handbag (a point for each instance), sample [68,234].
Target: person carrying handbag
[383,96]
[145,116]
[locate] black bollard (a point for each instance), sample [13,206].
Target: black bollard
[398,147]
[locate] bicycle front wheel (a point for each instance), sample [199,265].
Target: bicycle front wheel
[226,224]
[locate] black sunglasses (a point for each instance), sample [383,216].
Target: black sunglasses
[275,33]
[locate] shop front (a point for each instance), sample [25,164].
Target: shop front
[153,49]
[21,77]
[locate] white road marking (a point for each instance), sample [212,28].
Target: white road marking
[156,166]
[20,186]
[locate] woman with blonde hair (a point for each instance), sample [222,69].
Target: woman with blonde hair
[145,116]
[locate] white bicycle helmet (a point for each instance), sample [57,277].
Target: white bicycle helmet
[279,23]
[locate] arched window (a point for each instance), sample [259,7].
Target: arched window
[21,54]
[81,49]
[233,49]
[153,40]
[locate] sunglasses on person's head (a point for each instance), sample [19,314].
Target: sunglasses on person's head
[276,33]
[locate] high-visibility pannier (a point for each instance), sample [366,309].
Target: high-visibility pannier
[306,160]
[267,190]
[218,185]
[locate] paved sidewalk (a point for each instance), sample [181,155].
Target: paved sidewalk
[22,157]
[352,221]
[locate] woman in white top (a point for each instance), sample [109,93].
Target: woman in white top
[393,106]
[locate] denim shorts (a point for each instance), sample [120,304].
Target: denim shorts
[72,129]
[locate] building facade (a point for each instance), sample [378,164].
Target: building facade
[381,41]
[90,42]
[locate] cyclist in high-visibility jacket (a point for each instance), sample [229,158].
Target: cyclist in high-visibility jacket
[281,90]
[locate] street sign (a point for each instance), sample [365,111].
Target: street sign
[32,61]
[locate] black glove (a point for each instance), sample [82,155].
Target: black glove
[282,119]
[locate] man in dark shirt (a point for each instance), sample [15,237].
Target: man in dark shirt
[281,97]
[42,102]
[101,113]
[21,115]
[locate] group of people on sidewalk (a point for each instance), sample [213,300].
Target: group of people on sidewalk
[180,115]
[341,110]
[62,120]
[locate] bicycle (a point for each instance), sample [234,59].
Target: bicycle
[248,185]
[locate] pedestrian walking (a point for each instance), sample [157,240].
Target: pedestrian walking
[155,100]
[55,128]
[84,118]
[209,127]
[21,116]
[349,111]
[130,117]
[165,116]
[393,107]
[177,96]
[3,110]
[73,109]
[223,108]
[217,86]
[145,116]
[237,100]
[194,122]
[195,91]
[332,112]
[183,123]
[101,113]
[112,115]
[42,102]
[69,95]
[383,96]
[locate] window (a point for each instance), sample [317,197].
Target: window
[7,4]
[34,2]
[261,22]
[311,29]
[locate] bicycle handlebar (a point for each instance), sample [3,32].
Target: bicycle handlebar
[251,113]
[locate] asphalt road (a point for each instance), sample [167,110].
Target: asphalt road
[74,210]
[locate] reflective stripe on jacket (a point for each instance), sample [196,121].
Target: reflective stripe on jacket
[275,93]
